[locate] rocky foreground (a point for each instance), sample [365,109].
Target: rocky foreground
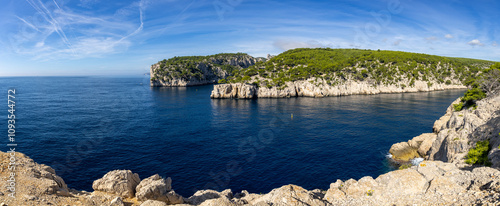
[428,183]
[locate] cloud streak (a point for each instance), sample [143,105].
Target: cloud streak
[91,35]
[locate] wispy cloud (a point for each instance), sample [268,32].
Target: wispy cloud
[475,42]
[90,35]
[448,36]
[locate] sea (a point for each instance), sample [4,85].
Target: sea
[84,127]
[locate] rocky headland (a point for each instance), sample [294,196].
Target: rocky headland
[442,179]
[198,70]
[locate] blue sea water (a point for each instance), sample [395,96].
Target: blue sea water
[86,126]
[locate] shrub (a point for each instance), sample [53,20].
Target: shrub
[479,154]
[473,95]
[448,82]
[222,81]
[458,107]
[405,166]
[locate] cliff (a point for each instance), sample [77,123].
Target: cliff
[430,182]
[336,72]
[320,88]
[456,133]
[198,70]
[469,132]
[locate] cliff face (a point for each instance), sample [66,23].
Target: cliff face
[191,71]
[428,183]
[456,133]
[459,131]
[320,88]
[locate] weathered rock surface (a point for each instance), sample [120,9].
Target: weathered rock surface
[119,182]
[239,90]
[320,88]
[462,129]
[157,188]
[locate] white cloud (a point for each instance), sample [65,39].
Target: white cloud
[494,44]
[475,42]
[448,36]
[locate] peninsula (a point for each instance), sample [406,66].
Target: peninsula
[317,72]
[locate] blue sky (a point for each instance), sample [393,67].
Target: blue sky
[91,37]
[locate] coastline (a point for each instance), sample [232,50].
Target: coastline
[321,89]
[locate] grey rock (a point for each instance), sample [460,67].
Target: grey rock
[153,188]
[202,195]
[118,201]
[119,182]
[153,203]
[289,195]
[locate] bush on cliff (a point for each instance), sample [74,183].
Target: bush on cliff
[479,154]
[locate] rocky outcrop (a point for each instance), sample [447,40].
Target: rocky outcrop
[207,70]
[119,182]
[320,88]
[428,183]
[464,128]
[455,133]
[414,148]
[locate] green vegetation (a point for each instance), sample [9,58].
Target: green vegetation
[369,193]
[405,166]
[479,155]
[379,67]
[189,67]
[487,82]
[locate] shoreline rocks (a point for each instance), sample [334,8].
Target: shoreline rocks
[320,88]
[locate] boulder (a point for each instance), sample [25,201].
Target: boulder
[118,201]
[401,183]
[157,188]
[403,151]
[119,182]
[202,195]
[416,147]
[290,195]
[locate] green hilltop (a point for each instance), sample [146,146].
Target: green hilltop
[336,65]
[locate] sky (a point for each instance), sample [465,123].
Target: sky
[92,37]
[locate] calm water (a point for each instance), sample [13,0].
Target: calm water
[87,126]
